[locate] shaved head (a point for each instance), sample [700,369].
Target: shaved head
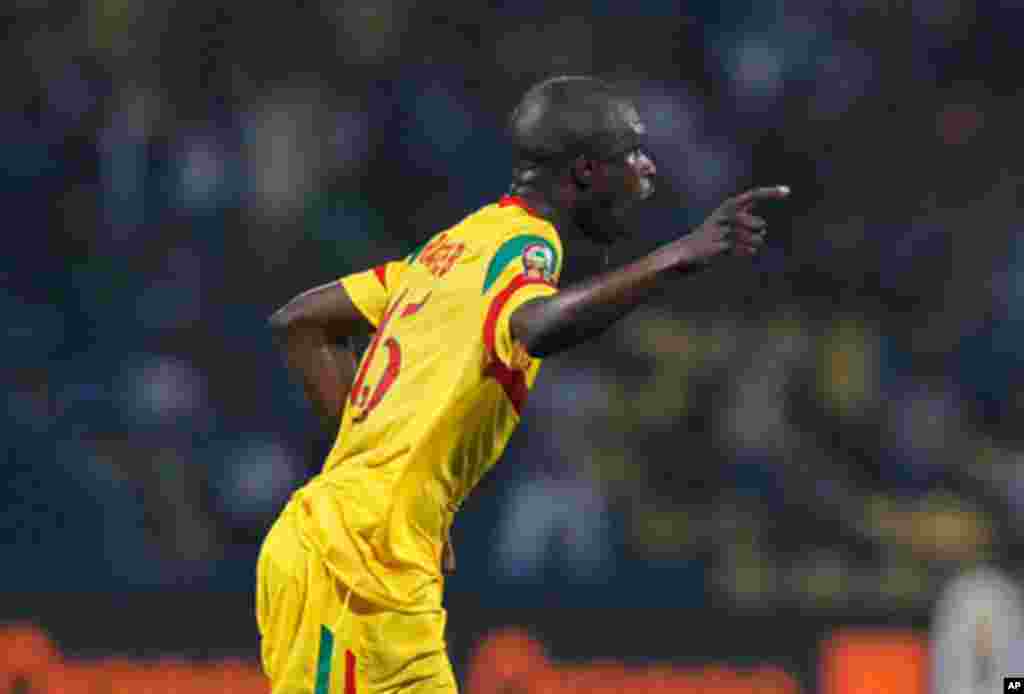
[564,117]
[578,144]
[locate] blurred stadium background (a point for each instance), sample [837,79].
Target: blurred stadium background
[805,477]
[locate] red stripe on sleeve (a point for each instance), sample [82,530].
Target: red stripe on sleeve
[381,272]
[494,310]
[512,381]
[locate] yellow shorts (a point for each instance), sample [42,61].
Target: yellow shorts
[318,637]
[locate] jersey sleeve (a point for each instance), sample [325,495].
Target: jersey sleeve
[525,266]
[369,290]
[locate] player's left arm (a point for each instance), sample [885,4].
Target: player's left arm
[548,325]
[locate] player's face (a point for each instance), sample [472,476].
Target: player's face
[620,181]
[627,176]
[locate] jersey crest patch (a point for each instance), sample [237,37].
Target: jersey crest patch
[539,261]
[523,249]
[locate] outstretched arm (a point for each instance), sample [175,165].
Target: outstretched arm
[550,325]
[313,329]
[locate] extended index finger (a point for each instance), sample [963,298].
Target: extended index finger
[757,194]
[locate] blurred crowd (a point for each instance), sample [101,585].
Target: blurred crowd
[837,427]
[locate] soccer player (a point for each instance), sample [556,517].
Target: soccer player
[350,576]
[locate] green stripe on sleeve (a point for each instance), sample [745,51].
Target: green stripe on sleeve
[512,250]
[323,662]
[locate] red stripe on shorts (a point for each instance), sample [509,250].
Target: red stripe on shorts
[350,673]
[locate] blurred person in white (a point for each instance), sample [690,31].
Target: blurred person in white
[978,632]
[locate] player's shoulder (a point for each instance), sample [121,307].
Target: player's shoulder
[507,218]
[526,241]
[498,236]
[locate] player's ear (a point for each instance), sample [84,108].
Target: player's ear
[582,169]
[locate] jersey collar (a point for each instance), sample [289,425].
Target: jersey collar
[516,201]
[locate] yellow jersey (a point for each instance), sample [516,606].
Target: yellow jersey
[436,397]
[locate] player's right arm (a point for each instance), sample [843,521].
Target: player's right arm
[551,324]
[315,327]
[313,330]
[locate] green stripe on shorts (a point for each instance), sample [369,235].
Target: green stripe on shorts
[323,661]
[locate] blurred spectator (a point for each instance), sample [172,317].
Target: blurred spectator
[554,522]
[978,632]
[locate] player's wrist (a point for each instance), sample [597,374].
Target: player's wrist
[683,257]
